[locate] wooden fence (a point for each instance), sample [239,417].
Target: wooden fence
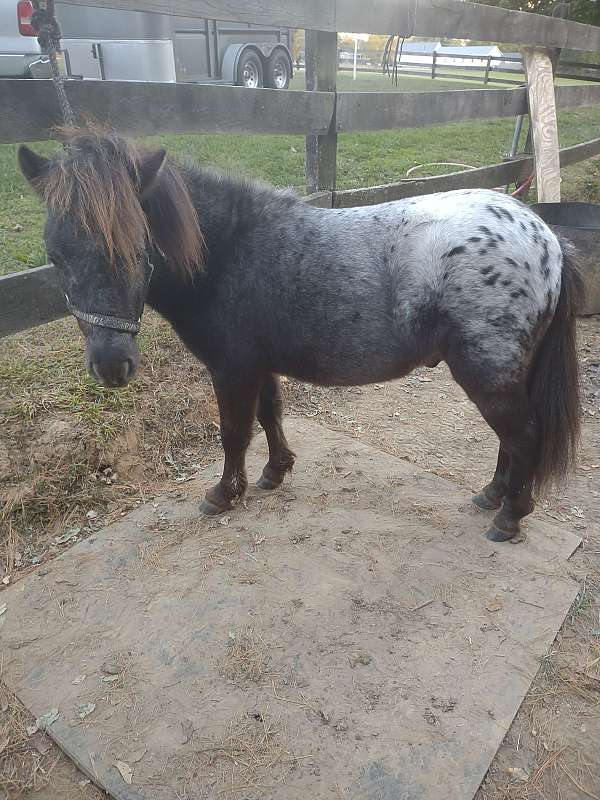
[30,108]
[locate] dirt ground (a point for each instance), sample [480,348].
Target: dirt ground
[551,750]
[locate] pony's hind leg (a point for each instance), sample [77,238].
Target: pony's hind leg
[237,398]
[492,495]
[281,458]
[508,413]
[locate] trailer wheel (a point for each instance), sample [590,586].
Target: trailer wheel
[279,70]
[250,70]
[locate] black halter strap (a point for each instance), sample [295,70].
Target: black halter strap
[103,320]
[106,320]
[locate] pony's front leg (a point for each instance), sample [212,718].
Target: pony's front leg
[237,398]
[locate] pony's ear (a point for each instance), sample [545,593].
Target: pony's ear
[33,166]
[149,169]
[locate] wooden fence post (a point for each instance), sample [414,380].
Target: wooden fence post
[433,59]
[487,71]
[543,123]
[321,75]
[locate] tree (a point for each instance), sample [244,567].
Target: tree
[579,10]
[297,43]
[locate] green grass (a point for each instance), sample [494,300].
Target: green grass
[376,82]
[364,159]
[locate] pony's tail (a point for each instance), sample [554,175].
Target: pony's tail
[554,382]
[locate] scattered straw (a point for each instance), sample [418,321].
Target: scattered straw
[255,755]
[247,657]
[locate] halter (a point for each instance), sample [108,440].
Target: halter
[107,321]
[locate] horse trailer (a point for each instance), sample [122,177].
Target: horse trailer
[107,44]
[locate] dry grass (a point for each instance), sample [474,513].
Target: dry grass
[26,759]
[68,446]
[247,657]
[559,773]
[255,755]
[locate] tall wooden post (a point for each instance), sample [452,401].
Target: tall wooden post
[321,74]
[486,77]
[543,123]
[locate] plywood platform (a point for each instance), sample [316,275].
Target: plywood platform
[351,635]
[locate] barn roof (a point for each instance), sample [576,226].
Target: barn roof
[467,50]
[420,47]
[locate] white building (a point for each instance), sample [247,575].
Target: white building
[418,53]
[469,55]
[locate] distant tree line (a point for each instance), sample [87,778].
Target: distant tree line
[587,11]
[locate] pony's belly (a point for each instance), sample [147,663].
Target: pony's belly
[355,370]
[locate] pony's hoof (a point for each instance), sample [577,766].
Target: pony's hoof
[495,534]
[210,509]
[267,484]
[482,500]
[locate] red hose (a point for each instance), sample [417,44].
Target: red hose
[523,187]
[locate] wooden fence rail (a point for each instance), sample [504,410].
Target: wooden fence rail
[30,108]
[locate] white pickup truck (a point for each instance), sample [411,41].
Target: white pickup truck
[20,55]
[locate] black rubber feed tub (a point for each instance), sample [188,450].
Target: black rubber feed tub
[580,224]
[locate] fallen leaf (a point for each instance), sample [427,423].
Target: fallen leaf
[125,770]
[43,745]
[85,709]
[6,580]
[224,520]
[67,536]
[112,667]
[47,719]
[187,728]
[79,679]
[110,678]
[493,605]
[137,755]
[517,774]
[31,729]
[85,782]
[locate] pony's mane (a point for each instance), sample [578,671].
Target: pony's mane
[95,182]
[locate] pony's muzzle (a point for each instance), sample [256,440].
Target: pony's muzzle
[113,366]
[112,374]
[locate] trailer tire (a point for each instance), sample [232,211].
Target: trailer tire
[250,70]
[279,70]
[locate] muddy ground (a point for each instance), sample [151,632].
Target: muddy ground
[73,459]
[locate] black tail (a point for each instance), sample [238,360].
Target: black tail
[554,382]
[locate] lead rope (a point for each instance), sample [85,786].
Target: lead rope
[48,32]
